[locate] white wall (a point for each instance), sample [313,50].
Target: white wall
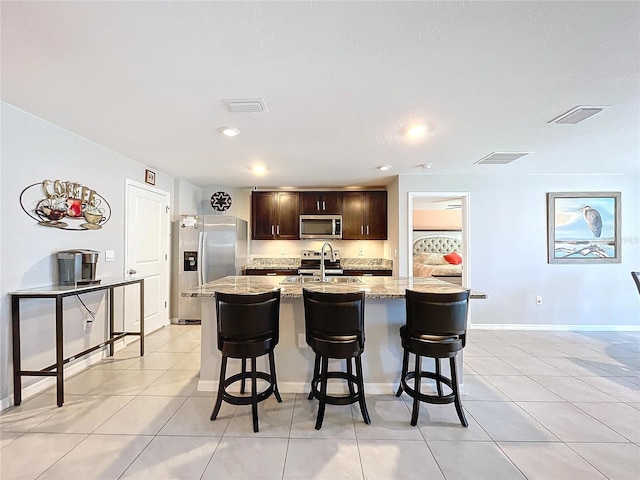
[507,256]
[34,150]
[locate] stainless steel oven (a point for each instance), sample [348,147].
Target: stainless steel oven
[321,226]
[310,263]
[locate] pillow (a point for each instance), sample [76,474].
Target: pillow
[434,259]
[453,258]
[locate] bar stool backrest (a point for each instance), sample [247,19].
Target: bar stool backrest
[440,314]
[334,315]
[247,316]
[636,278]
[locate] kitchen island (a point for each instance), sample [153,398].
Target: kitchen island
[384,315]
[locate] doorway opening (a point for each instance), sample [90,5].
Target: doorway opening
[438,224]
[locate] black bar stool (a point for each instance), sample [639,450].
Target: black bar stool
[248,327]
[436,328]
[334,324]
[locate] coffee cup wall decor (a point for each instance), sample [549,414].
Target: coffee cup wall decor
[65,205]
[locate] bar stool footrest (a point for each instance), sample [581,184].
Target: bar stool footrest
[423,397]
[337,399]
[246,399]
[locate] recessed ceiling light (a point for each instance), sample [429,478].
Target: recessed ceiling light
[259,169]
[427,166]
[415,131]
[230,131]
[384,167]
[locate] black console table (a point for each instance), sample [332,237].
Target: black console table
[58,293]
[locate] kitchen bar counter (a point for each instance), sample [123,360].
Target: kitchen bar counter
[384,315]
[374,287]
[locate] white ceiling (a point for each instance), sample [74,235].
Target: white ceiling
[340,81]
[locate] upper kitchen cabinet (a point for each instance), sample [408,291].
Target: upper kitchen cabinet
[364,215]
[320,203]
[274,215]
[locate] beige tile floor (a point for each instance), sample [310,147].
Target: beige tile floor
[540,405]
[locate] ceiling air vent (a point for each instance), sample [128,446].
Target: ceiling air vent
[500,158]
[245,105]
[576,115]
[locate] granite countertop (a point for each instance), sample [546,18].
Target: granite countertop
[345,263]
[374,287]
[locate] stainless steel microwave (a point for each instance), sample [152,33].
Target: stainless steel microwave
[320,226]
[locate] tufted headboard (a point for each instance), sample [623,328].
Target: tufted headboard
[436,244]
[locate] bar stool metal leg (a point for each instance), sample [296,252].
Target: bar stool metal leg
[438,376]
[223,372]
[456,391]
[416,387]
[405,368]
[316,374]
[323,392]
[254,394]
[363,404]
[274,380]
[244,371]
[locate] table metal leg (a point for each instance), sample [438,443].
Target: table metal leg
[59,352]
[142,318]
[110,293]
[15,327]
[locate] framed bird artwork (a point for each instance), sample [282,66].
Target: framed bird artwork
[584,227]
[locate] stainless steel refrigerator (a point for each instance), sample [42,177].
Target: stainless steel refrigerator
[206,248]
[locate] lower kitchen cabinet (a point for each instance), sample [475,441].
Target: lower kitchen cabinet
[271,271]
[367,273]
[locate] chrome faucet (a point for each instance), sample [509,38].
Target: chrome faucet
[323,277]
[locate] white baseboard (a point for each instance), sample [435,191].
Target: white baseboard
[555,327]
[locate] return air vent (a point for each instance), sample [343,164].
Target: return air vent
[245,105]
[576,115]
[501,158]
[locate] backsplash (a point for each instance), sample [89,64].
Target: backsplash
[345,263]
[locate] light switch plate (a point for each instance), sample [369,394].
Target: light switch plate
[109,255]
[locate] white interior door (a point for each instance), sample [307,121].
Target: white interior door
[147,249]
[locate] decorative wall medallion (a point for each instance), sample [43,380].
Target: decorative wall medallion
[221,201]
[79,206]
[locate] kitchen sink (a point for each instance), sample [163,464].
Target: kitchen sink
[316,279]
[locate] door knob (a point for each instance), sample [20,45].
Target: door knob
[132,271]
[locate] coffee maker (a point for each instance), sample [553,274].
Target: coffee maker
[77,267]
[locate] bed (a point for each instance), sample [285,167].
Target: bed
[432,256]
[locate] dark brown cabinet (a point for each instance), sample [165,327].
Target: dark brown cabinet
[320,203]
[368,273]
[364,215]
[271,271]
[274,216]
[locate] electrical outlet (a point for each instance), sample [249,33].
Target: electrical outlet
[302,341]
[361,251]
[539,300]
[283,251]
[88,321]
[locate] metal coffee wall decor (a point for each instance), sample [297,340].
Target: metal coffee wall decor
[65,205]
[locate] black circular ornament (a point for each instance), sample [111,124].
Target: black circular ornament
[221,201]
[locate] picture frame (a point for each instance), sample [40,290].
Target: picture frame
[584,227]
[150,177]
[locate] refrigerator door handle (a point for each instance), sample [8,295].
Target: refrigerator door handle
[201,259]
